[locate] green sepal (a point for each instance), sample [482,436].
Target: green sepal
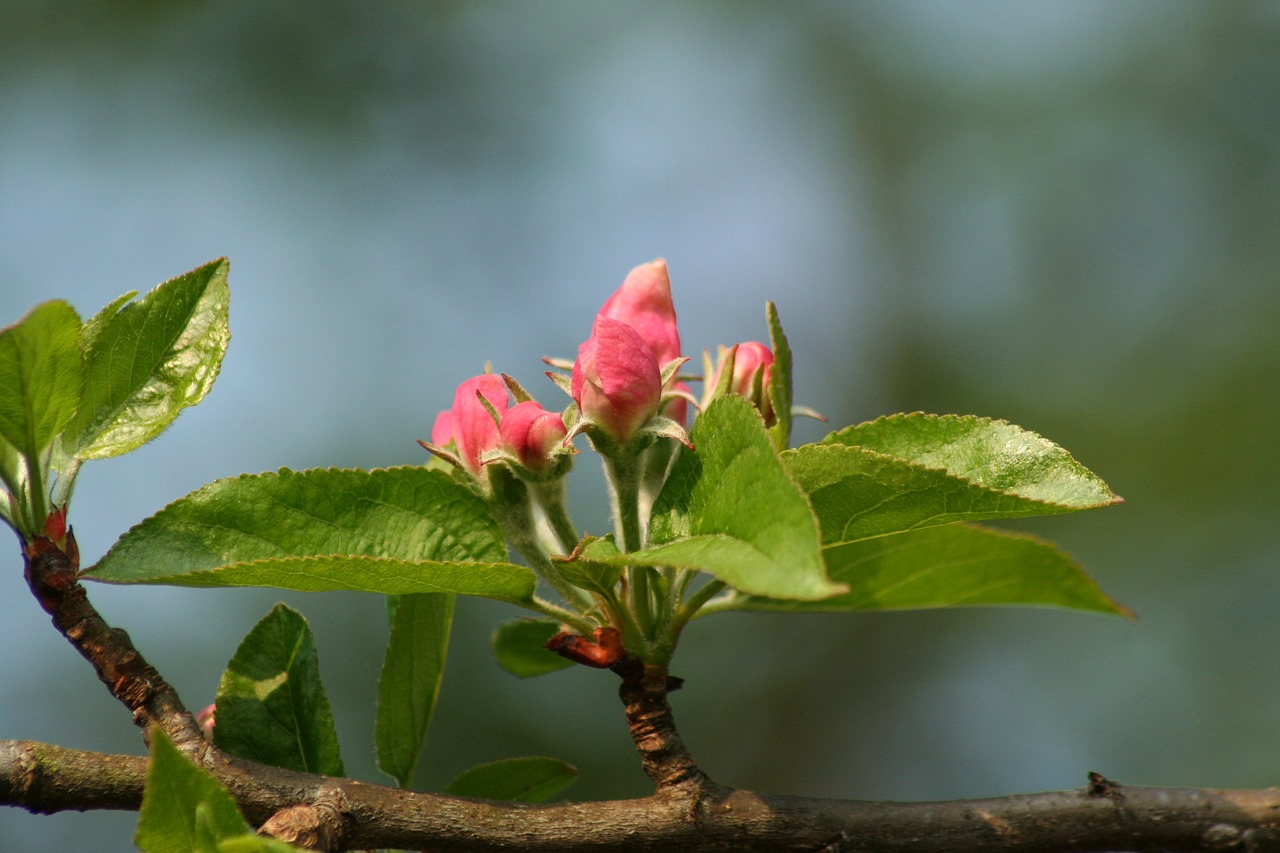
[779,388]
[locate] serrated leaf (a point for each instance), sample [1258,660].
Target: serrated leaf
[147,360]
[779,387]
[175,791]
[990,453]
[41,376]
[271,705]
[524,780]
[519,646]
[410,681]
[859,493]
[745,519]
[394,530]
[952,566]
[499,581]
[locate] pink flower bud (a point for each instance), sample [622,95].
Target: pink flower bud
[751,365]
[442,429]
[206,720]
[530,433]
[678,407]
[752,358]
[643,302]
[474,431]
[616,381]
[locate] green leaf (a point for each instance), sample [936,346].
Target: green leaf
[859,493]
[271,707]
[990,453]
[748,522]
[410,680]
[394,531]
[41,376]
[525,780]
[593,566]
[184,809]
[147,360]
[952,566]
[779,388]
[520,647]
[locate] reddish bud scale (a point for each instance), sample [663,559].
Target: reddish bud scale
[605,652]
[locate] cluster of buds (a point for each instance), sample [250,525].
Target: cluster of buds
[624,383]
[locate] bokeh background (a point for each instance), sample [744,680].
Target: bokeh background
[1060,213]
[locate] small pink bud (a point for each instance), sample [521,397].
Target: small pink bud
[206,719]
[616,381]
[751,368]
[442,429]
[678,407]
[474,431]
[643,302]
[530,433]
[752,358]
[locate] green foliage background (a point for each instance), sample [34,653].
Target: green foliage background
[1061,214]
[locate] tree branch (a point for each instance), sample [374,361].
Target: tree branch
[1110,817]
[687,812]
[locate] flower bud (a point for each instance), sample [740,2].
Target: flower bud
[616,381]
[643,302]
[442,429]
[751,369]
[474,430]
[530,433]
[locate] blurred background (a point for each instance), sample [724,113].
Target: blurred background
[1060,213]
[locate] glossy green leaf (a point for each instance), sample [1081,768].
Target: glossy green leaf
[525,780]
[41,376]
[779,387]
[993,454]
[184,809]
[859,493]
[520,647]
[410,682]
[394,531]
[951,566]
[271,707]
[147,360]
[745,519]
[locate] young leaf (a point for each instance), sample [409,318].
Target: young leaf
[175,792]
[951,566]
[994,454]
[732,509]
[859,493]
[520,647]
[779,388]
[410,680]
[585,571]
[395,531]
[148,360]
[41,376]
[525,780]
[271,705]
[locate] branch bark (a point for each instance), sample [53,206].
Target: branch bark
[43,778]
[687,811]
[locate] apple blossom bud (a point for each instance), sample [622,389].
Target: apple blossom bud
[530,433]
[643,302]
[206,720]
[442,429]
[616,381]
[474,430]
[751,369]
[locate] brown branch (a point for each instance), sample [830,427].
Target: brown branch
[44,779]
[687,812]
[51,572]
